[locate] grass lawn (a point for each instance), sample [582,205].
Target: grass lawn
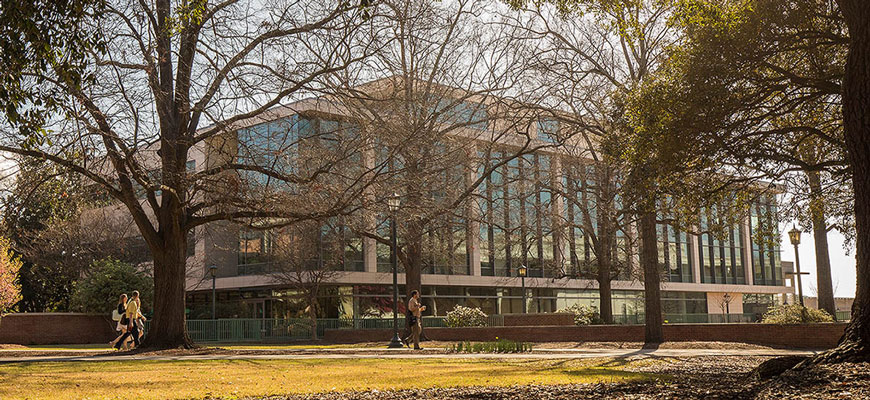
[235,378]
[285,346]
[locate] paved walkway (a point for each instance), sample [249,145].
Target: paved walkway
[368,353]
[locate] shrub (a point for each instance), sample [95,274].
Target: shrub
[583,315]
[794,314]
[10,290]
[98,292]
[465,316]
[499,346]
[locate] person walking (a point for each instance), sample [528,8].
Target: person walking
[120,315]
[415,310]
[140,321]
[132,313]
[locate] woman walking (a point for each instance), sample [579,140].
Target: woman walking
[132,314]
[121,327]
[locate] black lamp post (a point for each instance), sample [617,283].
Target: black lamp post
[522,271]
[795,235]
[393,203]
[727,300]
[212,270]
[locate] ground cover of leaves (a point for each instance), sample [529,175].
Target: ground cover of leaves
[314,347]
[690,378]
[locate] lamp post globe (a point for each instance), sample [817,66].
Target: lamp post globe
[393,202]
[522,271]
[794,235]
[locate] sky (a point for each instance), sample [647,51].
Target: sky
[842,264]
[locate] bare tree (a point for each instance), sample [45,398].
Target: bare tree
[449,114]
[589,67]
[174,84]
[305,258]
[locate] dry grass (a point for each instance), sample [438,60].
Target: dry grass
[237,378]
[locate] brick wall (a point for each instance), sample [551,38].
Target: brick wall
[811,336]
[56,328]
[544,319]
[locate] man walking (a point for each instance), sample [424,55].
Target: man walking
[415,319]
[133,315]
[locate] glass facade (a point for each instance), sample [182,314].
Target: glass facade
[548,130]
[517,222]
[273,145]
[674,253]
[579,180]
[333,245]
[516,219]
[721,250]
[766,265]
[471,114]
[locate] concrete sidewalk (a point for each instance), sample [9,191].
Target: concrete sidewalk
[369,353]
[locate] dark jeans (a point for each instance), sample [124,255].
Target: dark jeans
[134,331]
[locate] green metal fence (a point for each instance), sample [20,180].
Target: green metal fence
[843,316]
[689,318]
[279,330]
[265,330]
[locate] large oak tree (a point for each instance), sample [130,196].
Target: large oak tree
[128,93]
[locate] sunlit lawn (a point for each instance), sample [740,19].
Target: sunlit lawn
[234,378]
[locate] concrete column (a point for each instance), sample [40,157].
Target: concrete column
[694,247]
[472,234]
[370,255]
[747,252]
[557,211]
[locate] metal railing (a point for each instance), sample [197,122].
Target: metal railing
[844,316]
[265,330]
[277,330]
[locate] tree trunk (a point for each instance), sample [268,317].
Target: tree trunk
[605,263]
[605,294]
[168,327]
[855,343]
[649,261]
[820,236]
[414,266]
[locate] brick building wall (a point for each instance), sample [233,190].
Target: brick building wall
[56,328]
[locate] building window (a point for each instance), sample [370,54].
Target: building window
[674,254]
[758,303]
[581,184]
[721,250]
[684,303]
[255,246]
[548,130]
[273,145]
[516,218]
[450,111]
[766,265]
[332,246]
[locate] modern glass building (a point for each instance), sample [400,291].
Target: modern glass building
[532,210]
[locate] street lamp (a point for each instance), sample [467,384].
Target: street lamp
[212,270]
[393,203]
[521,272]
[795,235]
[727,300]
